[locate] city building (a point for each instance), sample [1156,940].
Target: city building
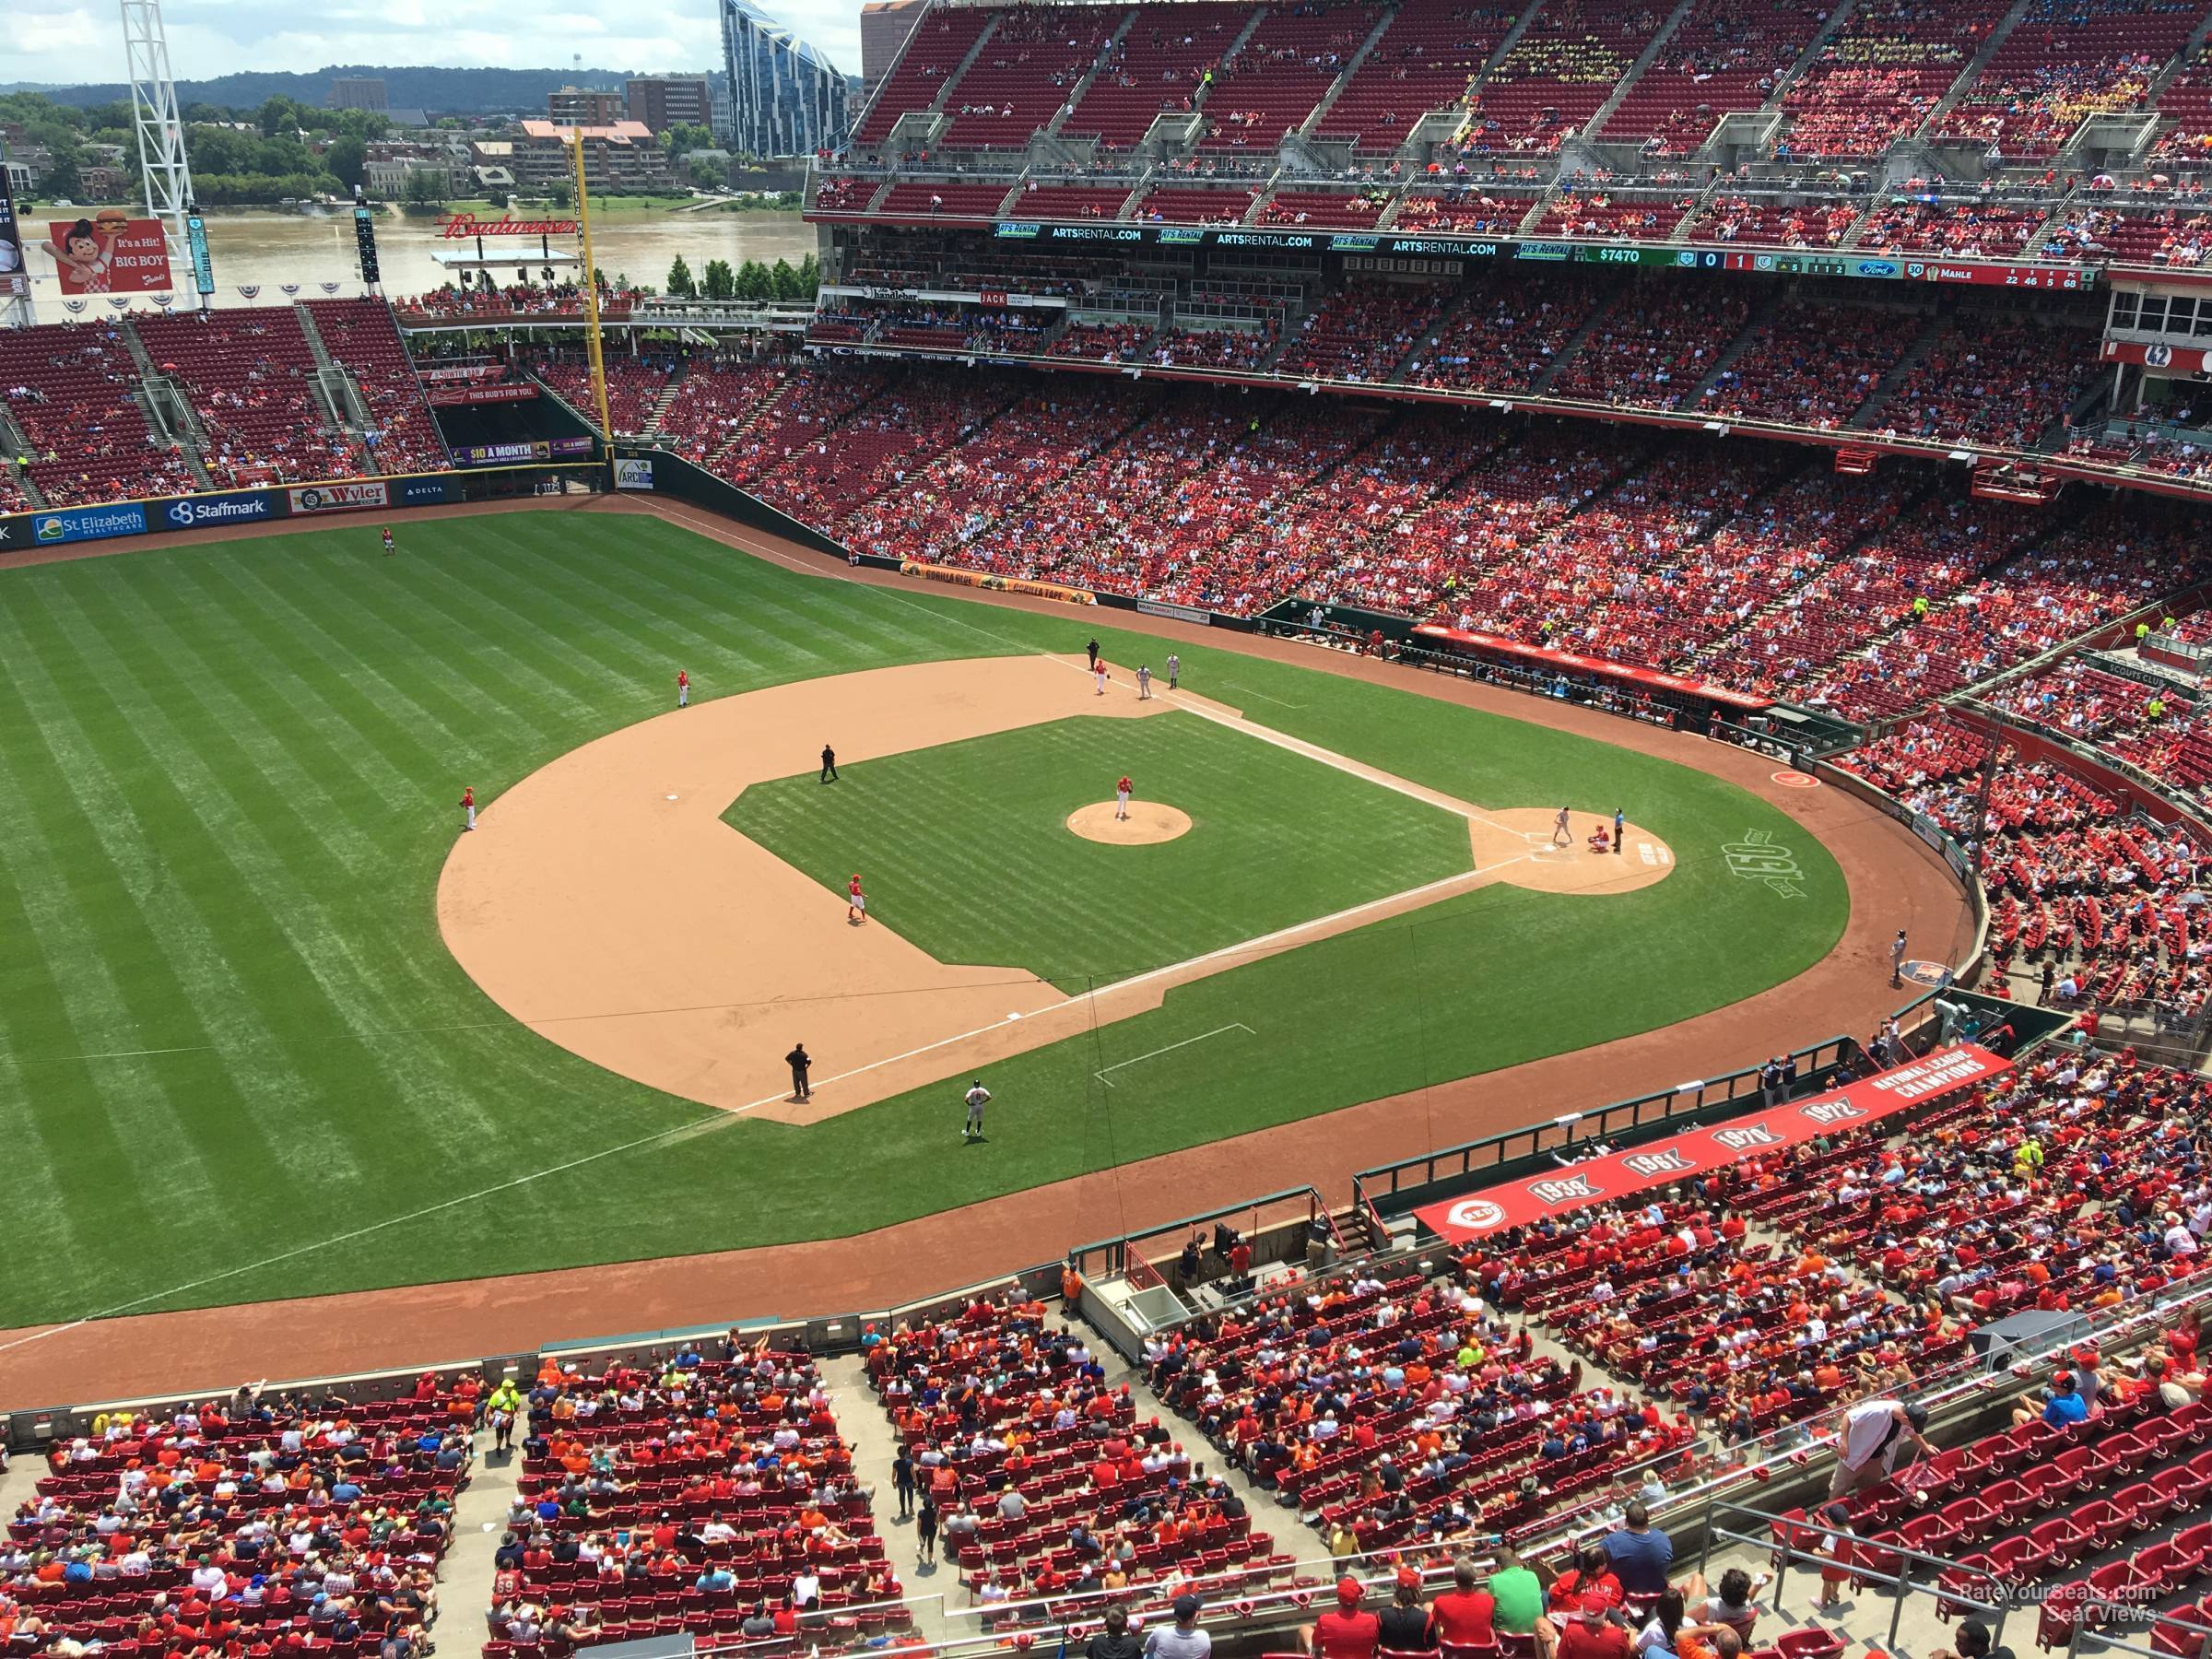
[786,98]
[720,81]
[662,101]
[585,106]
[387,163]
[619,154]
[357,92]
[884,28]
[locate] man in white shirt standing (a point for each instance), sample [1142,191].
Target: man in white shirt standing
[1874,1431]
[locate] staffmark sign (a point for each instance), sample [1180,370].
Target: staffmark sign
[189,512]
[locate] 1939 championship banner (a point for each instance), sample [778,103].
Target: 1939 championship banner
[1624,1174]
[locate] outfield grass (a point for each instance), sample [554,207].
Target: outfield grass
[968,853]
[229,1033]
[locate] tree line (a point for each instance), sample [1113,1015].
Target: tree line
[718,279]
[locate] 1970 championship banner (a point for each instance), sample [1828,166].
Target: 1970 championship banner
[1624,1174]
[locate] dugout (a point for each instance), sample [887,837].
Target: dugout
[1646,694]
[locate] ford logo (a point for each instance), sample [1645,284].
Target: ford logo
[1877,268]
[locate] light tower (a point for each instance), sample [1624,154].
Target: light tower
[160,135]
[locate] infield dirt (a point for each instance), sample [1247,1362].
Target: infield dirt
[603,902]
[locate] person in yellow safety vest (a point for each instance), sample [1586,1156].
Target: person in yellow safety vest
[2142,632]
[500,1408]
[2156,708]
[1920,607]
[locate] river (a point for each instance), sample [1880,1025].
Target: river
[265,250]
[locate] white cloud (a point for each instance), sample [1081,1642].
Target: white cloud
[73,42]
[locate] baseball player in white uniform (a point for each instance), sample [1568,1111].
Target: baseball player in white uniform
[977,1097]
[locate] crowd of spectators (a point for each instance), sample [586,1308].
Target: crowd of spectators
[686,1491]
[2088,907]
[271,1522]
[1882,74]
[1811,365]
[1362,333]
[251,377]
[1042,1478]
[69,389]
[1652,352]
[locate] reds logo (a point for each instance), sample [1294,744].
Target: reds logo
[1751,1134]
[1833,1111]
[1477,1214]
[1667,1163]
[1565,1188]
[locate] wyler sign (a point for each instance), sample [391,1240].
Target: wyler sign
[353,497]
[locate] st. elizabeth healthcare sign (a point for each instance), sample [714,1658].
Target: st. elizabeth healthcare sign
[86,523]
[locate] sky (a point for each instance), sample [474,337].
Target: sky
[67,41]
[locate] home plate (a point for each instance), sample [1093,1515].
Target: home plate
[672,797]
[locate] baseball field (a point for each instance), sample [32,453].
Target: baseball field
[270,1025]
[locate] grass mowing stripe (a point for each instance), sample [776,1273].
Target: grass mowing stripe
[319,696]
[218,951]
[94,918]
[659,639]
[431,706]
[444,643]
[288,773]
[492,644]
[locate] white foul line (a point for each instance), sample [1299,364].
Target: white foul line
[1243,947]
[1236,1025]
[1314,751]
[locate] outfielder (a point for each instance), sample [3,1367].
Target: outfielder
[683,690]
[856,902]
[977,1097]
[468,812]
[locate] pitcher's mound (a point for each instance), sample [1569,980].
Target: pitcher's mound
[1148,821]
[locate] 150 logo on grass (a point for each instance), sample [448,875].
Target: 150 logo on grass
[1760,857]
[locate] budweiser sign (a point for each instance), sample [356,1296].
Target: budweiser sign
[463,225]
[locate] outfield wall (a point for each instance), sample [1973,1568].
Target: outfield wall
[488,476]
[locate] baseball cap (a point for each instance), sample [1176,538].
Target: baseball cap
[1409,1579]
[1593,1607]
[1348,1591]
[1186,1607]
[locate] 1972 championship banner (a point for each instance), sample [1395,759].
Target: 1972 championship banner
[1624,1174]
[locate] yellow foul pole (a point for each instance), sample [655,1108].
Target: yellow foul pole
[591,295]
